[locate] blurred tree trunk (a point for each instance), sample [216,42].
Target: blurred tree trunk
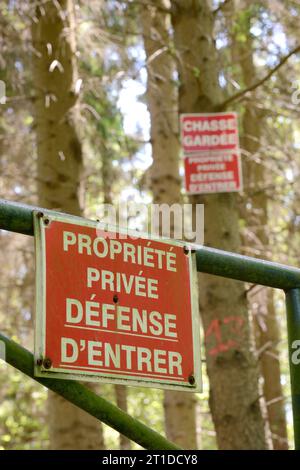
[165,183]
[231,365]
[121,398]
[59,171]
[256,199]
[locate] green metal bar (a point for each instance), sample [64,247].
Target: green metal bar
[246,269]
[88,401]
[293,324]
[17,217]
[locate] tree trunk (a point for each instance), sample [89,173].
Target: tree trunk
[121,398]
[59,172]
[262,304]
[231,365]
[179,407]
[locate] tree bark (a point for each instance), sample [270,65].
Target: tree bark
[121,398]
[262,302]
[231,365]
[165,183]
[60,167]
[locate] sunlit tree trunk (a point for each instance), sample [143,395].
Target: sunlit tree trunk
[60,167]
[179,407]
[231,365]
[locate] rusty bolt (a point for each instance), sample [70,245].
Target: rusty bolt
[115,299]
[186,250]
[46,221]
[191,379]
[40,214]
[193,251]
[39,362]
[47,363]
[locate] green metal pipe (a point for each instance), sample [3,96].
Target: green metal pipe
[246,269]
[88,401]
[17,217]
[293,324]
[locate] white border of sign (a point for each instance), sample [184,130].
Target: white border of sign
[40,316]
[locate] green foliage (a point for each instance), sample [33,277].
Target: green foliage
[23,418]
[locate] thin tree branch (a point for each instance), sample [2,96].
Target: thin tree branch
[241,93]
[221,6]
[146,3]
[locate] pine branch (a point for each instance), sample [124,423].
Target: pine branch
[241,93]
[147,3]
[221,6]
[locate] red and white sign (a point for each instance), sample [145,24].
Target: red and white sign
[213,172]
[202,132]
[114,309]
[211,153]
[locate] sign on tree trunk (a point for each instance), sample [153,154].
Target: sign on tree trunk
[211,153]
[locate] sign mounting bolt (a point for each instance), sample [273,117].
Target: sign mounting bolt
[115,299]
[186,250]
[191,379]
[46,221]
[47,363]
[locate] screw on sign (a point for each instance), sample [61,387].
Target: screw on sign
[116,309]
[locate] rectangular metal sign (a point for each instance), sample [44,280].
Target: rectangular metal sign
[113,307]
[216,172]
[212,160]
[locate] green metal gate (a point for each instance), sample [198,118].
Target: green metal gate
[19,218]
